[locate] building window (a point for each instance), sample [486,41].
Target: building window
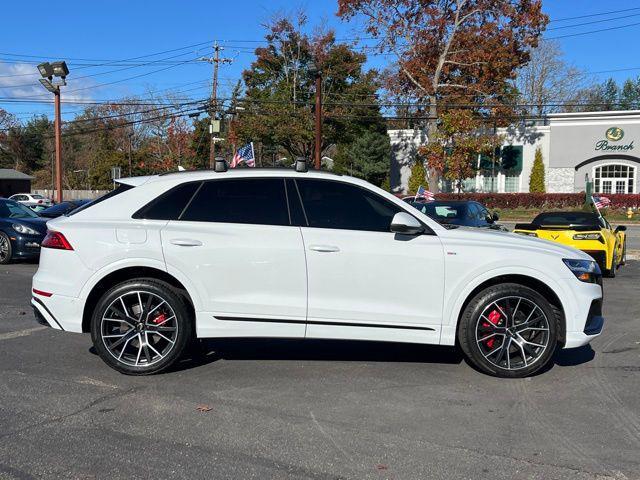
[512,183]
[489,184]
[614,178]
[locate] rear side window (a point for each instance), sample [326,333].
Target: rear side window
[260,201]
[169,205]
[330,204]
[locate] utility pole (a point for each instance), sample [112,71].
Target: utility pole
[58,142]
[213,103]
[48,71]
[316,72]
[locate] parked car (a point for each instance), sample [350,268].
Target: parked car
[586,231]
[282,253]
[62,208]
[21,231]
[460,212]
[31,199]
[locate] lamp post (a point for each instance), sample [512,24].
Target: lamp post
[317,74]
[48,71]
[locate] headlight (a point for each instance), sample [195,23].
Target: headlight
[588,236]
[584,270]
[528,234]
[23,229]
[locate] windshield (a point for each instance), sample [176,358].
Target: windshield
[11,209]
[445,214]
[566,218]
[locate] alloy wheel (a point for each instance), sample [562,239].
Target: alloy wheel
[512,333]
[4,248]
[139,328]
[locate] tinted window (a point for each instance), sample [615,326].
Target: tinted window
[169,205]
[9,209]
[249,200]
[329,204]
[566,218]
[295,205]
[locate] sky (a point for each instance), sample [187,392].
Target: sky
[90,34]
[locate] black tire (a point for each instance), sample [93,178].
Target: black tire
[6,252]
[520,335]
[142,336]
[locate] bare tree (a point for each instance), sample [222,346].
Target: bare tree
[547,81]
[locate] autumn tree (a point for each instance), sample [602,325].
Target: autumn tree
[453,51]
[280,91]
[536,179]
[455,148]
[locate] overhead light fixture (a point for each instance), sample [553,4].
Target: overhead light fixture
[48,85]
[60,69]
[46,70]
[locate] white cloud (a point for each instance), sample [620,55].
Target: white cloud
[20,81]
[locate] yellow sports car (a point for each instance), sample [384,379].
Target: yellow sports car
[585,231]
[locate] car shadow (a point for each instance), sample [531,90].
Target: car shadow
[574,356]
[211,350]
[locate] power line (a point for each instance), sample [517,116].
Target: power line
[592,31]
[593,15]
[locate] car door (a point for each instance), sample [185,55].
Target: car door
[363,280]
[235,242]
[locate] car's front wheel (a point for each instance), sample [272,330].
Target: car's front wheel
[141,326]
[5,249]
[509,330]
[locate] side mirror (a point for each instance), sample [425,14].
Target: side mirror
[495,216]
[406,224]
[621,228]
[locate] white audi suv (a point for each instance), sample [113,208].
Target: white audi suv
[165,259]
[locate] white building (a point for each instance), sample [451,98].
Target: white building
[597,145]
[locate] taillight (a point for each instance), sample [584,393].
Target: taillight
[39,201]
[56,240]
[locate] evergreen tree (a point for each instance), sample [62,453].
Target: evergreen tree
[368,157]
[536,179]
[630,95]
[418,176]
[610,94]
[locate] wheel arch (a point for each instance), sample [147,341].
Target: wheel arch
[549,293]
[127,273]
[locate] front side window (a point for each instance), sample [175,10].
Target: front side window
[260,201]
[330,204]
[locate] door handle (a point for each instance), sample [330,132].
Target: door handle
[324,248]
[185,242]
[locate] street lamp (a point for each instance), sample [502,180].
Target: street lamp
[315,72]
[48,71]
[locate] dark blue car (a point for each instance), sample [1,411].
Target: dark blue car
[21,231]
[465,213]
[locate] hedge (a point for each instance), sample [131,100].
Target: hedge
[539,200]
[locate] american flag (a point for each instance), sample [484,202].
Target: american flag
[244,154]
[426,194]
[601,202]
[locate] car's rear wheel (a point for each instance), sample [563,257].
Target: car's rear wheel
[509,330]
[141,326]
[5,249]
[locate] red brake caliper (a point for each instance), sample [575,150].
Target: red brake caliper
[159,319]
[495,318]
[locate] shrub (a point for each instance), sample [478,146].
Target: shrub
[418,176]
[541,201]
[536,180]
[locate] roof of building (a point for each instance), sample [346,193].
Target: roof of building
[11,174]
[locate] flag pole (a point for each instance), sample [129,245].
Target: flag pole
[253,154]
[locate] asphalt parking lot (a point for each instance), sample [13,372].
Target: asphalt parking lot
[316,410]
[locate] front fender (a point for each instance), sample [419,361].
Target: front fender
[463,287]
